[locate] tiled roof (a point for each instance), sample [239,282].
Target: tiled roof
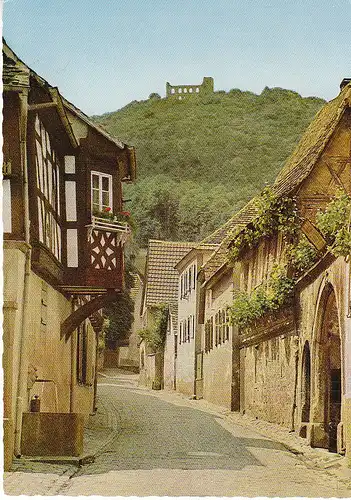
[312,144]
[237,221]
[161,275]
[14,72]
[216,261]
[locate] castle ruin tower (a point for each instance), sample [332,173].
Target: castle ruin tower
[181,92]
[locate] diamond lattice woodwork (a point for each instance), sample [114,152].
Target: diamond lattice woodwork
[103,250]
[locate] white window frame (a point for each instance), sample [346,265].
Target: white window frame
[101,175]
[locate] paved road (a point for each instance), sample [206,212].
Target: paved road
[156,434]
[162,446]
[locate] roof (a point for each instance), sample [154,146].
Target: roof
[295,170]
[237,221]
[198,247]
[217,260]
[161,275]
[312,144]
[17,74]
[14,72]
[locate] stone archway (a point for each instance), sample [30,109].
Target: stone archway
[326,397]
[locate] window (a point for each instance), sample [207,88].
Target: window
[185,90]
[188,330]
[194,276]
[193,327]
[217,329]
[101,191]
[48,189]
[180,332]
[179,91]
[197,90]
[172,91]
[190,90]
[226,326]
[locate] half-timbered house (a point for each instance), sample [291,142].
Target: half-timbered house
[63,248]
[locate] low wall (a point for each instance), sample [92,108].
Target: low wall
[52,434]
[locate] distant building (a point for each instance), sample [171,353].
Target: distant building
[184,91]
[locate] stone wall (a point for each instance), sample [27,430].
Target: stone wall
[268,379]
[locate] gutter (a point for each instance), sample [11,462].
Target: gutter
[22,364]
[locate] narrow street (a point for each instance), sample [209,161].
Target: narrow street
[161,445]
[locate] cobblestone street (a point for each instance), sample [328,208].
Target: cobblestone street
[159,443]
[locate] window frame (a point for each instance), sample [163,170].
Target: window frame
[101,175]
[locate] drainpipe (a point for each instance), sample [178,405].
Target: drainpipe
[73,365]
[22,365]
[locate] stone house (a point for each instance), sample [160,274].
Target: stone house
[62,261]
[293,355]
[160,289]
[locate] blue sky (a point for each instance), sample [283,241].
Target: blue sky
[103,54]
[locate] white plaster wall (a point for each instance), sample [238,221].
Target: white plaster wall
[185,371]
[217,363]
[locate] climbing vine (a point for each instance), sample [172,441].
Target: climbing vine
[335,224]
[273,214]
[265,298]
[155,336]
[301,255]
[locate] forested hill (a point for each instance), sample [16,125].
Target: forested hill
[199,160]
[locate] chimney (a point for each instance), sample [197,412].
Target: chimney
[344,82]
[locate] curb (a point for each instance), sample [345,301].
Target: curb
[76,461]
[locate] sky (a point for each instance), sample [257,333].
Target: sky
[103,54]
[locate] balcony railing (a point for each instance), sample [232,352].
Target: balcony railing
[103,224]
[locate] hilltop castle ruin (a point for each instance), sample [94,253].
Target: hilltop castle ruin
[185,91]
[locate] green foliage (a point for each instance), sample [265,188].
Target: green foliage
[154,95]
[265,298]
[201,159]
[120,315]
[156,335]
[334,222]
[301,255]
[273,214]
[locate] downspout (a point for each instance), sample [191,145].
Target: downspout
[22,365]
[73,365]
[94,409]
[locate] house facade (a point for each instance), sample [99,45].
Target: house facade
[292,353]
[63,259]
[189,357]
[160,294]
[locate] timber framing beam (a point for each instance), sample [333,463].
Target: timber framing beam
[42,105]
[86,310]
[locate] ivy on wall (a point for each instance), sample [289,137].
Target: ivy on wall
[265,298]
[335,224]
[155,336]
[273,214]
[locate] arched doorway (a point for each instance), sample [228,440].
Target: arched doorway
[306,384]
[327,390]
